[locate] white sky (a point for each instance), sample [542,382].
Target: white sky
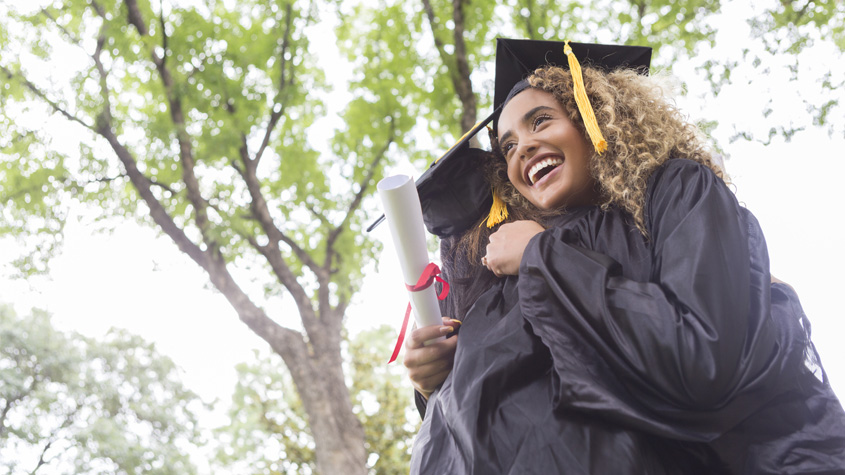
[138,280]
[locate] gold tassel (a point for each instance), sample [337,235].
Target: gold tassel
[498,212]
[583,101]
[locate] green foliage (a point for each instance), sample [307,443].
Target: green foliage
[405,65]
[399,68]
[268,431]
[382,398]
[72,404]
[671,28]
[230,67]
[791,26]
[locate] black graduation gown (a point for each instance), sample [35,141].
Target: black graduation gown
[612,353]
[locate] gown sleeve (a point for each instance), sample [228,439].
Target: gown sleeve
[687,353]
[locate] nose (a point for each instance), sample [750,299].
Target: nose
[526,149]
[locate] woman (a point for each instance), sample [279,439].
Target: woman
[634,326]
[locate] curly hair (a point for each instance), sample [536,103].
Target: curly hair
[642,127]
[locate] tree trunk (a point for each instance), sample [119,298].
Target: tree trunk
[338,434]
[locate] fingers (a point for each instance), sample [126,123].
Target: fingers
[429,366]
[491,265]
[428,385]
[419,336]
[421,355]
[495,253]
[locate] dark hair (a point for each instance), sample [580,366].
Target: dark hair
[461,254]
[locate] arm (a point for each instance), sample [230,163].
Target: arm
[693,347]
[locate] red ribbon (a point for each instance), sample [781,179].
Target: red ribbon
[428,276]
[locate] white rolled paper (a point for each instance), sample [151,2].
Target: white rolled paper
[404,218]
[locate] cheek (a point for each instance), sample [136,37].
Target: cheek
[514,174]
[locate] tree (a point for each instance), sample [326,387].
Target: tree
[193,117]
[455,40]
[268,429]
[71,404]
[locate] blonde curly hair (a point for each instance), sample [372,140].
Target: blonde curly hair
[643,129]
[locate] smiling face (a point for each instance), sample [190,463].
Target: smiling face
[548,157]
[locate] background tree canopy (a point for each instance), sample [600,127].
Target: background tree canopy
[222,125]
[73,405]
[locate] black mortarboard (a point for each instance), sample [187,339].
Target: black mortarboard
[454,193]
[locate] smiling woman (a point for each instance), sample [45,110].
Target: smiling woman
[632,325]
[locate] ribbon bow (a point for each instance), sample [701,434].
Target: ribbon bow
[428,276]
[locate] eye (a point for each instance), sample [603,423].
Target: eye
[507,147]
[540,119]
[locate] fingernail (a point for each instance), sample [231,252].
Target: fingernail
[456,321]
[446,329]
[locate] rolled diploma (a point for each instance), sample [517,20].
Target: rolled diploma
[404,218]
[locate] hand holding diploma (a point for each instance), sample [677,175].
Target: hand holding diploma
[404,218]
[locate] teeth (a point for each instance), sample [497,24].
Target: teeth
[547,162]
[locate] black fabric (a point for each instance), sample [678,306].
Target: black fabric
[613,353]
[517,59]
[449,209]
[517,88]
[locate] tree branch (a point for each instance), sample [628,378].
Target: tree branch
[177,115]
[139,181]
[320,216]
[457,64]
[284,82]
[438,43]
[54,436]
[356,202]
[287,343]
[64,30]
[800,13]
[54,105]
[287,278]
[463,85]
[104,87]
[163,31]
[157,211]
[41,460]
[134,17]
[301,254]
[161,185]
[261,211]
[272,253]
[324,306]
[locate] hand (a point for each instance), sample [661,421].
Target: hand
[429,365]
[507,244]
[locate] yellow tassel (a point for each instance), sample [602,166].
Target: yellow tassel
[498,212]
[583,101]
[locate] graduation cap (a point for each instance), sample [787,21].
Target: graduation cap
[454,192]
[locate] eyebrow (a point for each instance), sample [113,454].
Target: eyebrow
[525,118]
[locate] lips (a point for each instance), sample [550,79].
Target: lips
[540,166]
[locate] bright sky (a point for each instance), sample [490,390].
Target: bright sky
[138,280]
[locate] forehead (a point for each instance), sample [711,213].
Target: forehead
[523,103]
